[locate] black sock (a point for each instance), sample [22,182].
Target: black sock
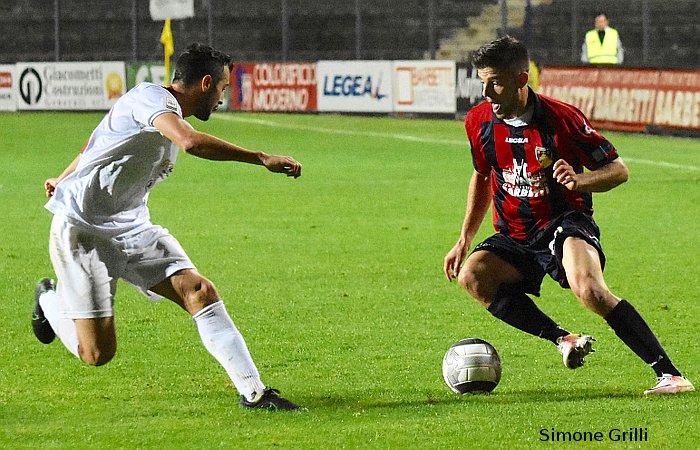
[518,310]
[629,326]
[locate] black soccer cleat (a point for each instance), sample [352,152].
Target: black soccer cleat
[40,325]
[271,399]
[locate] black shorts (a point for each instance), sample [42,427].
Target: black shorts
[537,258]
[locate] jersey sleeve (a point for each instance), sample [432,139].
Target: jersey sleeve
[594,151]
[472,128]
[152,102]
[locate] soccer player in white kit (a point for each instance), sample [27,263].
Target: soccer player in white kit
[101,229]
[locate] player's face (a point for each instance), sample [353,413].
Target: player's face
[500,88]
[213,98]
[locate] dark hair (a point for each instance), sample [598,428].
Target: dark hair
[505,53]
[200,60]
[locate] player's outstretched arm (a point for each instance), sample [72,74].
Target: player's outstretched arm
[478,201]
[206,146]
[51,183]
[600,180]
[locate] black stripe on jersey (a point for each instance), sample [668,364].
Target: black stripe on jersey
[498,198]
[557,202]
[489,143]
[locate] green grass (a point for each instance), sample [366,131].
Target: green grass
[335,280]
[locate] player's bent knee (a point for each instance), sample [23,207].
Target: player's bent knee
[203,293]
[595,298]
[466,279]
[470,281]
[96,357]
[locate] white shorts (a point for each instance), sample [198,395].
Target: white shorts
[88,266]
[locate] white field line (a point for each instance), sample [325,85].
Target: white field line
[410,138]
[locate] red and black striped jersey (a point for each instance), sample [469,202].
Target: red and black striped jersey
[526,198]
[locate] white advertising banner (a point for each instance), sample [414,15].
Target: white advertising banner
[69,85]
[173,9]
[7,82]
[354,86]
[424,86]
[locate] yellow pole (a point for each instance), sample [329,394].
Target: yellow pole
[166,38]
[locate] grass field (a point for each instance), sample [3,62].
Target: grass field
[335,280]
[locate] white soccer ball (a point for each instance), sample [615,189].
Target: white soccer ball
[471,366]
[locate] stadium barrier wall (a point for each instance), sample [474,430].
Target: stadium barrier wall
[7,91]
[69,85]
[613,98]
[628,99]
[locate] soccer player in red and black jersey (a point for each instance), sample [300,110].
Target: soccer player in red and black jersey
[529,154]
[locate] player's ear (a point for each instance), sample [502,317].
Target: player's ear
[522,79]
[206,83]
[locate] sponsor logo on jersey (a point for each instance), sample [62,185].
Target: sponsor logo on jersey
[517,140]
[163,172]
[518,182]
[587,128]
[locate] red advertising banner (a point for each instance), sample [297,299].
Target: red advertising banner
[628,99]
[273,87]
[678,100]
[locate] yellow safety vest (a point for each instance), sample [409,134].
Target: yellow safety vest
[605,52]
[533,79]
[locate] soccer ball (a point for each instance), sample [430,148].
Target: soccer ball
[471,366]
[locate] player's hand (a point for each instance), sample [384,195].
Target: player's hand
[454,259]
[50,186]
[282,164]
[565,174]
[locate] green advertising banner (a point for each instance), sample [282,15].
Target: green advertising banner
[140,72]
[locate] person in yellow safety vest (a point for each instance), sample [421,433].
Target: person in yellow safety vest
[533,79]
[602,44]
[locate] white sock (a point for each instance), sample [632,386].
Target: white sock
[223,340]
[64,328]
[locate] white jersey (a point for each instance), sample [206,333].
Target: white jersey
[124,159]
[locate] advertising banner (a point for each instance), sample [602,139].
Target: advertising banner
[138,73]
[355,86]
[628,99]
[273,87]
[172,9]
[424,86]
[468,88]
[624,99]
[69,85]
[677,103]
[7,81]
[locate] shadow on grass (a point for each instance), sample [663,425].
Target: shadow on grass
[527,396]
